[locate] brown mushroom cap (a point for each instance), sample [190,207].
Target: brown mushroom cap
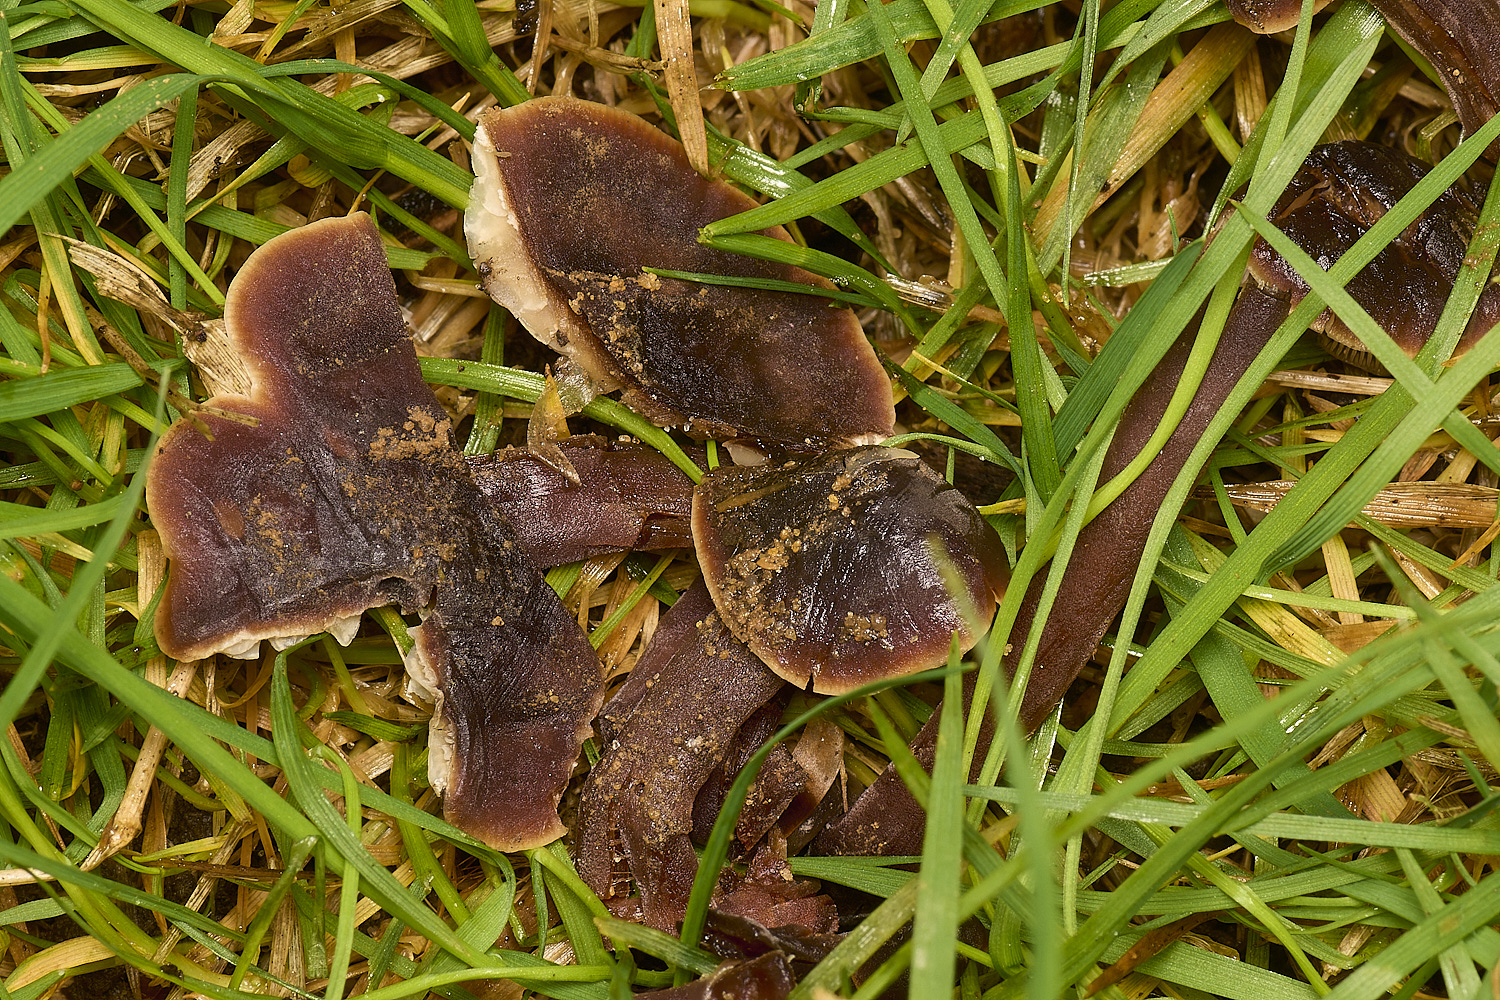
[272,529]
[572,199]
[348,494]
[833,569]
[1266,17]
[1343,189]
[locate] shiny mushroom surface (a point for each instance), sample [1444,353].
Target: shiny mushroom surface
[854,566]
[573,200]
[344,492]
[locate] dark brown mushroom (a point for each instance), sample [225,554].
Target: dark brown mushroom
[346,493]
[1267,17]
[664,734]
[1341,190]
[836,570]
[572,200]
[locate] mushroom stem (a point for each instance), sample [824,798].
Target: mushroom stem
[1109,547]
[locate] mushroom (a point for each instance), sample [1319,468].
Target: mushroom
[1266,17]
[833,569]
[664,733]
[344,493]
[573,200]
[765,977]
[1341,190]
[836,569]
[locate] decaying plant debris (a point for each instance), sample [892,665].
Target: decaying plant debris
[1275,775]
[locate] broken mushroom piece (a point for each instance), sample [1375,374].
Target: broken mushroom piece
[346,493]
[664,734]
[846,568]
[765,977]
[572,200]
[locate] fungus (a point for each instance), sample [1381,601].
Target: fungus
[765,977]
[1266,17]
[665,732]
[628,497]
[572,203]
[572,200]
[1341,190]
[835,569]
[345,493]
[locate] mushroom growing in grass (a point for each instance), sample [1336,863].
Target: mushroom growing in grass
[346,493]
[847,565]
[573,200]
[1341,190]
[829,572]
[848,568]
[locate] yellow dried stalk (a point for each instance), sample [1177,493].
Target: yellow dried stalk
[1398,505]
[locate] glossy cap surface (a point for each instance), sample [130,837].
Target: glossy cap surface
[1340,192]
[573,199]
[836,570]
[348,494]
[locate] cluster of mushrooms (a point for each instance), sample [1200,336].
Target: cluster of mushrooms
[828,563]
